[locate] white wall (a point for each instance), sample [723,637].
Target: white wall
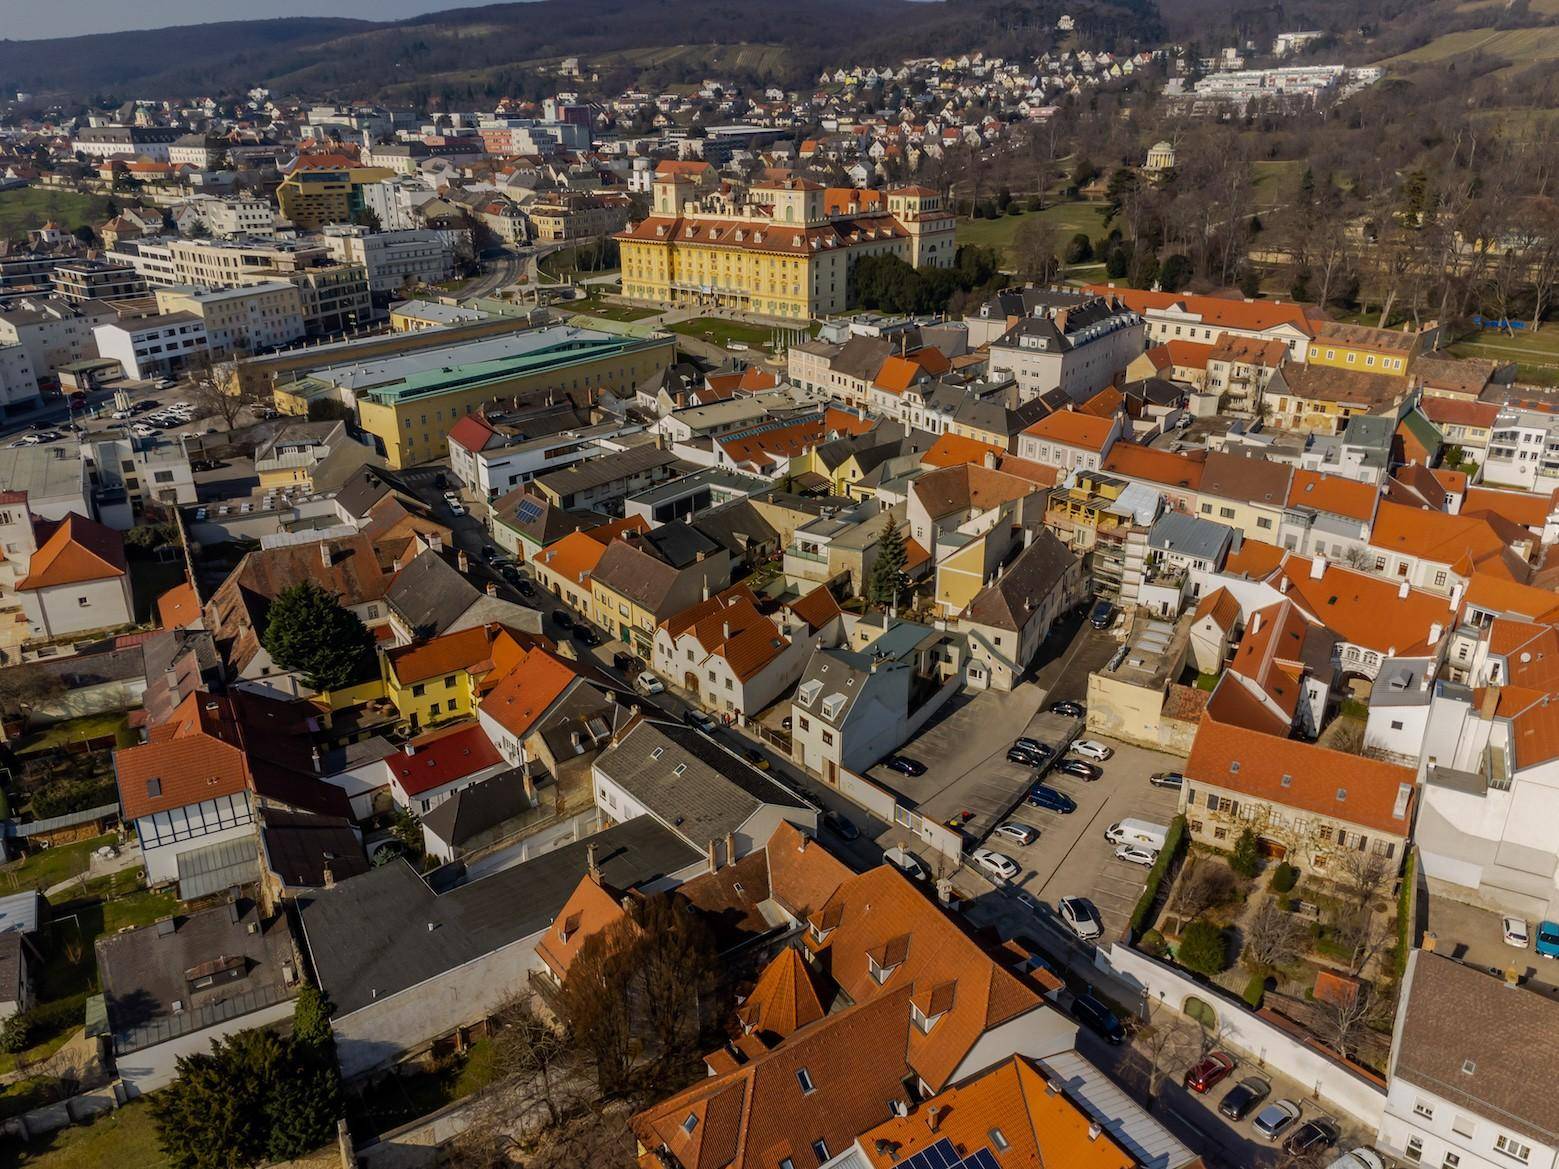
[75,608]
[1042,1032]
[1437,1136]
[1247,1033]
[155,1067]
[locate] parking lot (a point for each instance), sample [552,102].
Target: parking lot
[1474,935]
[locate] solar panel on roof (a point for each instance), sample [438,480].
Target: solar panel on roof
[529,510]
[942,1155]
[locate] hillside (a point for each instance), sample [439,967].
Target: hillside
[478,52]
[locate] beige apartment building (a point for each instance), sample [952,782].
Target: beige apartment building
[251,319]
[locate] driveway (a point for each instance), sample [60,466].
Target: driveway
[1474,935]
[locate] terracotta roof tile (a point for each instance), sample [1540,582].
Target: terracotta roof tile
[1364,609]
[1073,429]
[1523,508]
[1333,494]
[785,998]
[1216,311]
[1154,466]
[524,694]
[73,550]
[816,608]
[1350,788]
[179,607]
[443,756]
[953,450]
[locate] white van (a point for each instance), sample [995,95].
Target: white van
[1143,832]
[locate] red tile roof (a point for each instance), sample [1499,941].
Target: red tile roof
[443,756]
[1366,610]
[525,693]
[1333,494]
[954,450]
[71,551]
[1216,311]
[1073,429]
[472,432]
[1350,788]
[179,607]
[1154,466]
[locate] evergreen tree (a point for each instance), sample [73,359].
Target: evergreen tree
[886,579]
[308,630]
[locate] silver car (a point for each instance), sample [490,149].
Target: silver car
[1276,1118]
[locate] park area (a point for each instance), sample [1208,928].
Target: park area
[1536,354]
[1067,218]
[719,331]
[24,209]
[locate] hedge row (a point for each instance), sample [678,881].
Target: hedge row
[1174,841]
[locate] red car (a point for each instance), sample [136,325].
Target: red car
[1209,1072]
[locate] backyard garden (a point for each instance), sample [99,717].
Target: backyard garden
[1323,950]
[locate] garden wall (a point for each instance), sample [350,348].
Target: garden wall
[1262,1040]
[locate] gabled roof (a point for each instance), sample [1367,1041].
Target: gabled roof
[440,757]
[1350,788]
[785,998]
[954,450]
[1462,542]
[472,433]
[1246,479]
[1019,592]
[1524,508]
[1216,311]
[1155,466]
[816,608]
[527,691]
[590,908]
[1366,610]
[573,557]
[1333,494]
[179,607]
[967,486]
[468,650]
[1073,429]
[72,551]
[1221,607]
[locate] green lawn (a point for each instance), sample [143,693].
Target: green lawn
[718,331]
[124,1139]
[51,865]
[1536,354]
[1067,218]
[26,208]
[1276,181]
[75,730]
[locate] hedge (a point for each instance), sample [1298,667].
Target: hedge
[1254,989]
[1405,915]
[1174,840]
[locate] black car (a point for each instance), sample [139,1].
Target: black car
[1069,708]
[1051,799]
[1034,745]
[1077,769]
[1167,779]
[511,574]
[1027,757]
[1311,1137]
[904,765]
[1099,1019]
[1241,1099]
[1103,615]
[524,585]
[697,718]
[624,660]
[562,619]
[841,825]
[584,635]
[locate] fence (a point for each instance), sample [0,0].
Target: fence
[1263,1040]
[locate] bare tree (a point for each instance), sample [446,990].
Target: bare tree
[1344,1017]
[673,963]
[531,1058]
[23,688]
[1208,885]
[1165,1047]
[1035,246]
[595,1002]
[1274,938]
[1363,874]
[211,398]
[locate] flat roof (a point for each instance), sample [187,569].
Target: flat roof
[43,472]
[708,477]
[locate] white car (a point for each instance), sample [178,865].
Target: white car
[907,862]
[457,509]
[1091,750]
[1360,1158]
[648,683]
[1019,833]
[1515,931]
[1137,855]
[1080,917]
[996,863]
[122,414]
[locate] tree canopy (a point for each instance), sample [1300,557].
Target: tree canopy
[309,631]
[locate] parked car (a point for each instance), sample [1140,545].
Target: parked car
[526,588]
[1092,750]
[122,414]
[1548,939]
[1137,855]
[1077,769]
[996,863]
[1276,1119]
[1103,615]
[1209,1071]
[648,683]
[1363,1157]
[584,635]
[697,718]
[907,862]
[562,619]
[1021,833]
[1034,745]
[1514,930]
[1027,757]
[511,573]
[1069,708]
[457,509]
[1043,796]
[1311,1137]
[757,758]
[1099,1019]
[904,765]
[841,825]
[1240,1099]
[1167,779]
[1080,917]
[624,661]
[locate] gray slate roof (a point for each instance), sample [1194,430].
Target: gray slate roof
[1190,535]
[369,937]
[430,595]
[716,792]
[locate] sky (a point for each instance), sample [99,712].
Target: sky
[31,19]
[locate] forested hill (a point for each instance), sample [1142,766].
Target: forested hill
[484,52]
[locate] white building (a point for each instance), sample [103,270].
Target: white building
[251,319]
[149,142]
[77,581]
[1523,450]
[1467,1088]
[152,346]
[150,470]
[51,331]
[18,383]
[239,216]
[393,258]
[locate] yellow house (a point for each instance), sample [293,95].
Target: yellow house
[776,252]
[1320,398]
[1368,350]
[444,678]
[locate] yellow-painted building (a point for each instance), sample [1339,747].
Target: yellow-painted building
[1363,349]
[775,252]
[410,416]
[445,677]
[313,196]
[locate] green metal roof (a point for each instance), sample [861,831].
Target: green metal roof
[476,374]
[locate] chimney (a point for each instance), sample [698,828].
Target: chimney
[1435,631]
[990,460]
[1094,1130]
[1255,624]
[1283,585]
[1317,567]
[590,863]
[730,848]
[706,588]
[1402,591]
[725,631]
[711,856]
[934,1117]
[314,751]
[1429,942]
[325,556]
[409,748]
[801,845]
